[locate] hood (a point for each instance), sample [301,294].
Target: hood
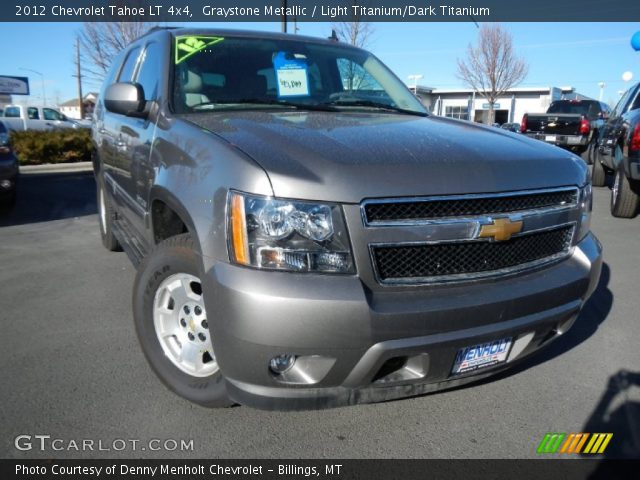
[347,157]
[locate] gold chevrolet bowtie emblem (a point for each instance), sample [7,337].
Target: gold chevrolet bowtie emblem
[500,229]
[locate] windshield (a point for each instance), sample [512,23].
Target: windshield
[216,73]
[576,108]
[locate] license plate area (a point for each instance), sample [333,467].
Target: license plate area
[550,138]
[483,355]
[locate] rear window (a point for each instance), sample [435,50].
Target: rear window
[12,112]
[575,108]
[3,129]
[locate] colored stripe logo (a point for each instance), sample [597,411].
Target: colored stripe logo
[585,443]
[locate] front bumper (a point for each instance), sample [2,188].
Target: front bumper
[360,336]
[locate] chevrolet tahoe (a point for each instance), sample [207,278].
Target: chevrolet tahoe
[307,235]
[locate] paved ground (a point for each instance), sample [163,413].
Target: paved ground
[72,369]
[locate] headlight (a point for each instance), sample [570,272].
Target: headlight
[586,205]
[288,235]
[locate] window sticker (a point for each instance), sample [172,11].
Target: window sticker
[291,75]
[189,45]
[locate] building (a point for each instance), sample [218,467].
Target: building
[71,108]
[465,104]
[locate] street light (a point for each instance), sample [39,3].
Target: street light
[44,94]
[601,85]
[415,79]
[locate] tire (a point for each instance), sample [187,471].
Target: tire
[624,201]
[171,324]
[598,174]
[589,155]
[105,217]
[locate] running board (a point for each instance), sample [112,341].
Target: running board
[126,239]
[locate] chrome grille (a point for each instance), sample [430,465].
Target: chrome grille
[442,260]
[416,210]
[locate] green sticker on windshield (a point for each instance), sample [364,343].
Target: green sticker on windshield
[191,44]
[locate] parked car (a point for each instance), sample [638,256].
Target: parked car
[619,153]
[301,245]
[9,168]
[20,118]
[570,124]
[512,127]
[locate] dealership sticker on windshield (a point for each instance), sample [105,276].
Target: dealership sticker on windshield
[479,356]
[291,75]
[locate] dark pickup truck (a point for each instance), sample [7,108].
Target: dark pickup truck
[619,153]
[571,124]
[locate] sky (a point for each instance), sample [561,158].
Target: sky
[558,54]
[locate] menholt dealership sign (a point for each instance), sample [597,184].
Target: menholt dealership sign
[14,85]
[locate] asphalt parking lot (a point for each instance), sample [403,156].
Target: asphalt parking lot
[71,367]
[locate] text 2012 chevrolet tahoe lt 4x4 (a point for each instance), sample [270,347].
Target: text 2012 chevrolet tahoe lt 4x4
[309,236]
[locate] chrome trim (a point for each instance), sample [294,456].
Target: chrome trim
[466,219]
[468,277]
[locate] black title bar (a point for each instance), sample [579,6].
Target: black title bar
[319,10]
[324,469]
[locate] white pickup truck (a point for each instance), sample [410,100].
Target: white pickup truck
[20,118]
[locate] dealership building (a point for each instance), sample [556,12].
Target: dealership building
[465,104]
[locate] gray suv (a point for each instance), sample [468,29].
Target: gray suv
[306,235]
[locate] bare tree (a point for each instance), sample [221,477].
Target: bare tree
[357,33]
[101,42]
[492,67]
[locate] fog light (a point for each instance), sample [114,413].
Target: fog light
[282,363]
[6,183]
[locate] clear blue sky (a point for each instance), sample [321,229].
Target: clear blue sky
[558,54]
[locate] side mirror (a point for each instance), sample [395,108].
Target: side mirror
[125,99]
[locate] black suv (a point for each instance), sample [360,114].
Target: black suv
[619,153]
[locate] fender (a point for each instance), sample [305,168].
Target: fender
[159,192]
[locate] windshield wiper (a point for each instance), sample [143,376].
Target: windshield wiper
[260,101]
[372,104]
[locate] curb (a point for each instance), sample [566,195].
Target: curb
[57,168]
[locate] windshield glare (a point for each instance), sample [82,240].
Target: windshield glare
[229,73]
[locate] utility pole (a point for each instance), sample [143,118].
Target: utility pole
[78,75]
[283,17]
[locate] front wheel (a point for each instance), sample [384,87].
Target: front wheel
[173,326]
[624,201]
